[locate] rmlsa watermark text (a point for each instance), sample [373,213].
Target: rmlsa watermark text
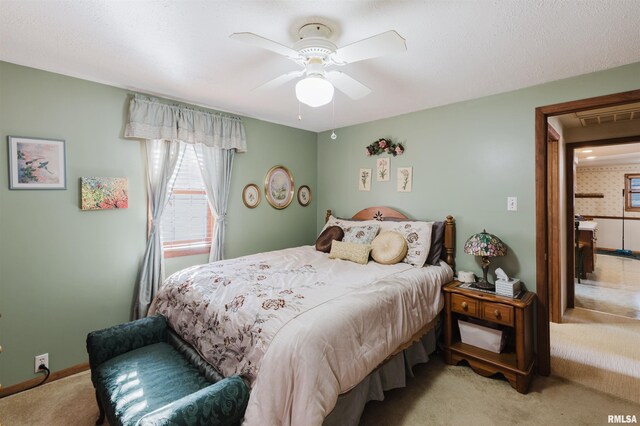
[622,418]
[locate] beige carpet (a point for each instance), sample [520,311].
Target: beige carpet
[69,402]
[598,350]
[438,395]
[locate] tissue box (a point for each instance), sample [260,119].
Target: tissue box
[482,337]
[509,288]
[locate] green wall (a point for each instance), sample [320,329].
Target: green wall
[467,158]
[64,272]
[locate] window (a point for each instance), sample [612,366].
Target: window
[187,223]
[632,192]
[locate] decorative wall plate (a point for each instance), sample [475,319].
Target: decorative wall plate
[304,195]
[278,187]
[251,195]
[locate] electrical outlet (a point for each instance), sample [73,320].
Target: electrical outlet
[40,360]
[512,204]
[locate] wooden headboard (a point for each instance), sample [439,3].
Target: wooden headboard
[381,213]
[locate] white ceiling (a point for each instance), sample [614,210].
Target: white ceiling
[609,155]
[456,50]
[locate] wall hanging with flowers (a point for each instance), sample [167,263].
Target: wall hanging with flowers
[384,146]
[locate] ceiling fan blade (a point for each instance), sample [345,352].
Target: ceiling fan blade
[279,81]
[348,85]
[265,43]
[372,47]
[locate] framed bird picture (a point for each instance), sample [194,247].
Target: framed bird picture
[36,163]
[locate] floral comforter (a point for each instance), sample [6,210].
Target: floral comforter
[301,327]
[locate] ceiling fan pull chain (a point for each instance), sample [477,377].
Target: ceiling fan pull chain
[333,120]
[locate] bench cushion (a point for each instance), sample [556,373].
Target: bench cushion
[143,380]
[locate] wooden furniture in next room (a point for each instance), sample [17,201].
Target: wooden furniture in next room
[513,316]
[586,239]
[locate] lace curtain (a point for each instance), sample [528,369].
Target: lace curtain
[165,129]
[163,157]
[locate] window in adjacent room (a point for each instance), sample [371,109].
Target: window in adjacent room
[632,191]
[187,223]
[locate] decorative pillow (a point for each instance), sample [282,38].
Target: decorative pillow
[345,223]
[436,251]
[389,248]
[360,234]
[323,243]
[358,253]
[437,243]
[418,236]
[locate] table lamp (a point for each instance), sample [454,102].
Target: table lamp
[485,245]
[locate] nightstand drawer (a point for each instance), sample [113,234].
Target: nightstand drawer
[465,305]
[498,313]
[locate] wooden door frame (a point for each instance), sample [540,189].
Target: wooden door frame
[570,149]
[541,130]
[553,219]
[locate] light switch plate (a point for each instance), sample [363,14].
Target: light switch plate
[512,204]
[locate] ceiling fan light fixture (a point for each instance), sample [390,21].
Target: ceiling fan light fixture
[314,91]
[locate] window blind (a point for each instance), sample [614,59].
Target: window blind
[186,219]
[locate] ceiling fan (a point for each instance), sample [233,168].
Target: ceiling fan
[315,53]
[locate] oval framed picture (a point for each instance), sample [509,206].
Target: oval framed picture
[251,196]
[278,187]
[304,195]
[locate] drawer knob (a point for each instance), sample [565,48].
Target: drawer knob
[496,313]
[465,305]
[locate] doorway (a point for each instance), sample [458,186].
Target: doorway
[605,236]
[544,197]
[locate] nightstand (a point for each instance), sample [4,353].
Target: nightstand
[513,316]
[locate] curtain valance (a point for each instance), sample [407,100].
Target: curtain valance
[151,119]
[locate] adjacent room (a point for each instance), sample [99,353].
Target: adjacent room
[608,204]
[595,325]
[319,213]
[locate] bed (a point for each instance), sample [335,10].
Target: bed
[305,330]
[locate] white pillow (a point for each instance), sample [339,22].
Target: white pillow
[345,223]
[389,248]
[418,237]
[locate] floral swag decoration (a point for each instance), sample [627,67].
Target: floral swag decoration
[384,146]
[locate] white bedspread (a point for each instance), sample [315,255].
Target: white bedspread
[302,327]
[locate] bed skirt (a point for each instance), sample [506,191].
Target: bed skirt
[389,376]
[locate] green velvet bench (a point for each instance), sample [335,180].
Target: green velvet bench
[144,374]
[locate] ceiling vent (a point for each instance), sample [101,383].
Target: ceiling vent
[610,115]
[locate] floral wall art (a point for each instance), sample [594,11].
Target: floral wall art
[404,177]
[383,166]
[382,169]
[384,146]
[364,180]
[100,193]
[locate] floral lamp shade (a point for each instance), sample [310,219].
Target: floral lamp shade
[485,245]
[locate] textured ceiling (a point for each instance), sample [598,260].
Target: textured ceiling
[609,154]
[456,50]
